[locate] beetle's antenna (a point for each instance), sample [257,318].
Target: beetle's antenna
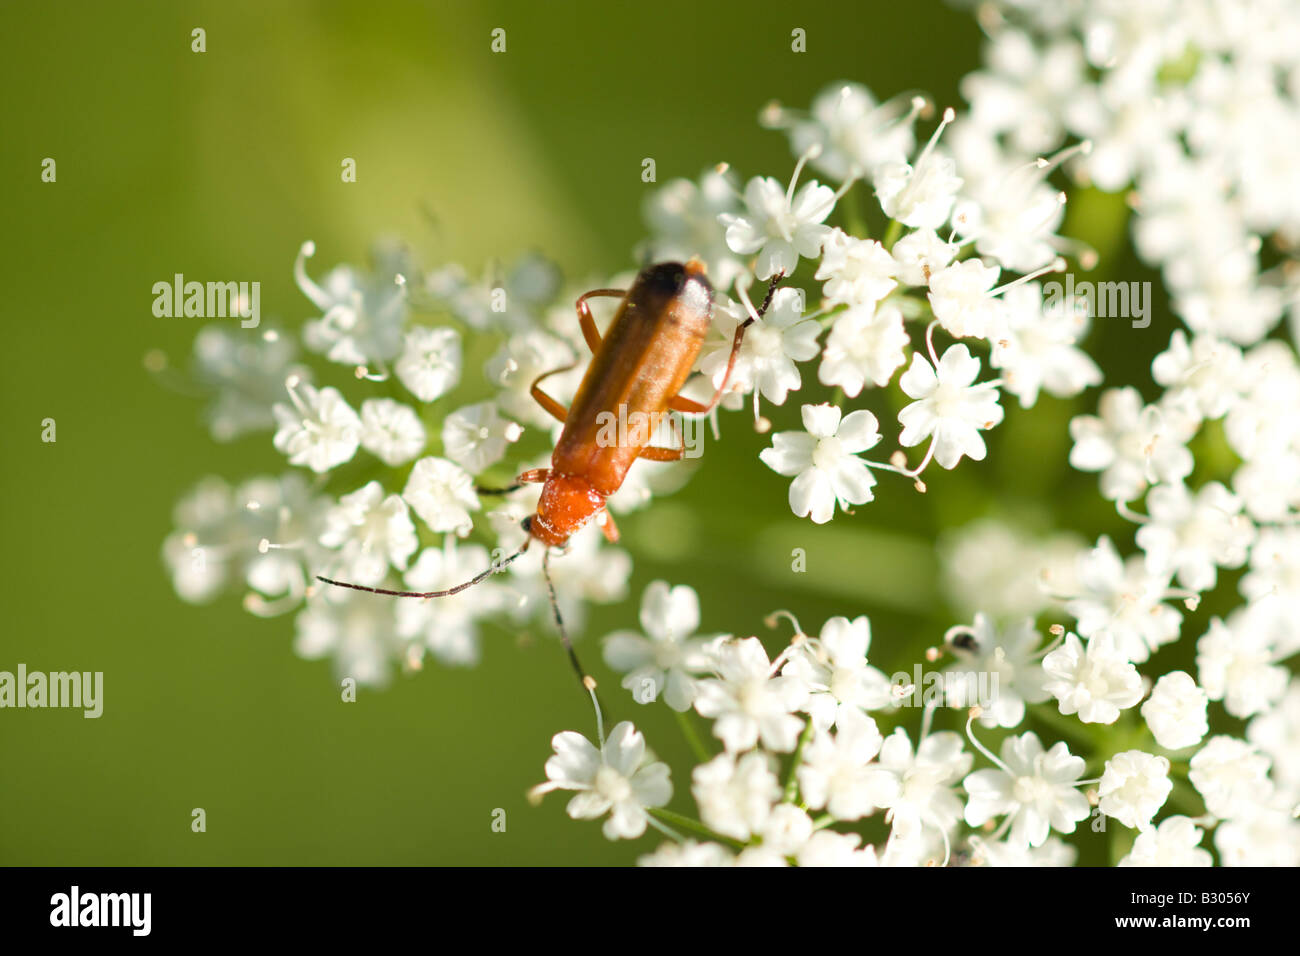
[492,569]
[583,677]
[771,291]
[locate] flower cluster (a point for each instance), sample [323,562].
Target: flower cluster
[903,263]
[1186,109]
[404,402]
[1188,119]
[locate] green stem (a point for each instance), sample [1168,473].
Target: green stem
[857,226]
[688,823]
[792,781]
[892,233]
[692,737]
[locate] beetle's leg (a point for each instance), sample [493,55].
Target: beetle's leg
[554,408]
[606,522]
[532,476]
[691,407]
[588,321]
[659,453]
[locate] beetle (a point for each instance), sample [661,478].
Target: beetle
[636,373]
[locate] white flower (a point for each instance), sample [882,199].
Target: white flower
[920,195]
[753,856]
[834,667]
[998,663]
[920,255]
[1209,370]
[1133,788]
[353,629]
[858,272]
[1190,535]
[1095,682]
[1273,583]
[1277,734]
[509,302]
[854,132]
[1003,853]
[962,300]
[617,779]
[592,572]
[363,314]
[1176,841]
[948,406]
[992,566]
[1036,789]
[1124,598]
[683,218]
[1238,664]
[926,780]
[372,531]
[284,512]
[824,461]
[747,702]
[391,431]
[1176,711]
[448,626]
[787,830]
[1269,485]
[865,344]
[244,376]
[1226,297]
[662,664]
[429,365]
[321,431]
[1261,835]
[736,794]
[442,494]
[828,848]
[197,553]
[1025,90]
[475,437]
[1131,444]
[1231,774]
[1037,348]
[1011,212]
[1271,381]
[517,364]
[771,346]
[839,772]
[691,853]
[780,225]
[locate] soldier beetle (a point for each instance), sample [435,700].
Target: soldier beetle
[636,373]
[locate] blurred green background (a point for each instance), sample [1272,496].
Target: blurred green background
[219,165]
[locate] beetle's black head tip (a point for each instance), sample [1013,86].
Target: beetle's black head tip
[664,278]
[669,278]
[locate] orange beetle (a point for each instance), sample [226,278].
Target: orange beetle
[636,373]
